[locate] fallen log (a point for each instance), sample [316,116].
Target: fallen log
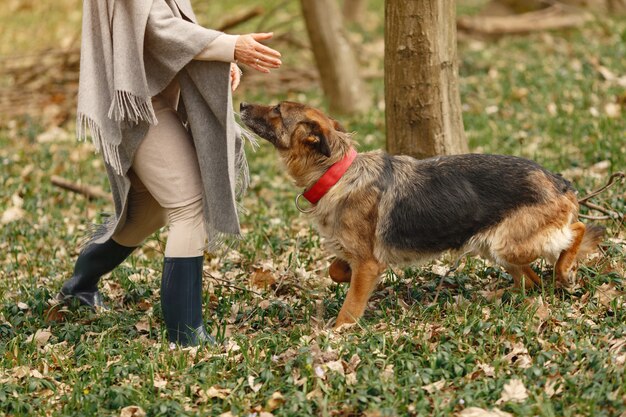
[551,18]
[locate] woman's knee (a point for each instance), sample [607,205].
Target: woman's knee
[144,217]
[187,236]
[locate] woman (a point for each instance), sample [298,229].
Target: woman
[155,91]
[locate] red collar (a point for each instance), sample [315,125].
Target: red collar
[330,178]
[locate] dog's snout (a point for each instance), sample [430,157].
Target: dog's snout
[243,106]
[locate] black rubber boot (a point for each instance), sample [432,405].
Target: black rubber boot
[181,301]
[93,262]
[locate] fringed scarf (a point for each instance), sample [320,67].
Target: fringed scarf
[131,50]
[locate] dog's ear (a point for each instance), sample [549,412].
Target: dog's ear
[317,138]
[319,143]
[338,127]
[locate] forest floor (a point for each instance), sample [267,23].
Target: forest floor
[556,97]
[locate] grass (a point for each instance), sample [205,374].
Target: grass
[539,96]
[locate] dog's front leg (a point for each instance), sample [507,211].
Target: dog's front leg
[364,278]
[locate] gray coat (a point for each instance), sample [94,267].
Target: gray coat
[170,41]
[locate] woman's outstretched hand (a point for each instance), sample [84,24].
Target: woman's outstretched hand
[249,51]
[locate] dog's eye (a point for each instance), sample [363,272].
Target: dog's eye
[276,109]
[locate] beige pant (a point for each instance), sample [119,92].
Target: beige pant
[166,187]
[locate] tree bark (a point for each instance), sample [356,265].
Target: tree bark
[422,102]
[334,56]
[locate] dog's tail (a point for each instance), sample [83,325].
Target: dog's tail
[592,238]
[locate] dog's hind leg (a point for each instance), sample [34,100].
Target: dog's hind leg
[520,272]
[567,258]
[364,278]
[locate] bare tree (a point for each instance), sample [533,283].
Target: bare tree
[423,106]
[334,56]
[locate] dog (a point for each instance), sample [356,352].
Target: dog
[381,209]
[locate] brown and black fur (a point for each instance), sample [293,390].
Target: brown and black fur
[400,210]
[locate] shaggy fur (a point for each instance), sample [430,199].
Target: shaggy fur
[400,210]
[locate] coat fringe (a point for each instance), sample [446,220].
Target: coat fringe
[126,106]
[110,151]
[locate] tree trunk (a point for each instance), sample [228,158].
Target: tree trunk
[422,102]
[354,10]
[334,56]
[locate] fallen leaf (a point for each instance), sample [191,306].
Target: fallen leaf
[12,214]
[262,278]
[549,388]
[335,366]
[513,391]
[132,411]
[254,387]
[159,382]
[20,372]
[612,110]
[351,379]
[434,387]
[143,325]
[217,392]
[40,337]
[479,412]
[275,401]
[519,356]
[606,293]
[487,369]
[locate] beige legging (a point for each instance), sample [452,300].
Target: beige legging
[166,187]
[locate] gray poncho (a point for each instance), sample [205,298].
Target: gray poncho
[131,51]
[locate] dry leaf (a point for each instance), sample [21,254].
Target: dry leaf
[435,386]
[12,214]
[275,401]
[335,366]
[217,392]
[519,356]
[20,372]
[351,379]
[606,293]
[262,278]
[355,360]
[254,387]
[513,391]
[487,369]
[549,387]
[40,337]
[612,110]
[387,373]
[159,382]
[479,412]
[132,411]
[143,325]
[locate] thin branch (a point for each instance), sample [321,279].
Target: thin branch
[238,19]
[612,180]
[88,191]
[226,283]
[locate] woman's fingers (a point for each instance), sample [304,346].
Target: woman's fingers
[256,55]
[262,36]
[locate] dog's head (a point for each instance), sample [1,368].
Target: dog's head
[308,141]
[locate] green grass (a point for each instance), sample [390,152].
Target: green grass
[566,348]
